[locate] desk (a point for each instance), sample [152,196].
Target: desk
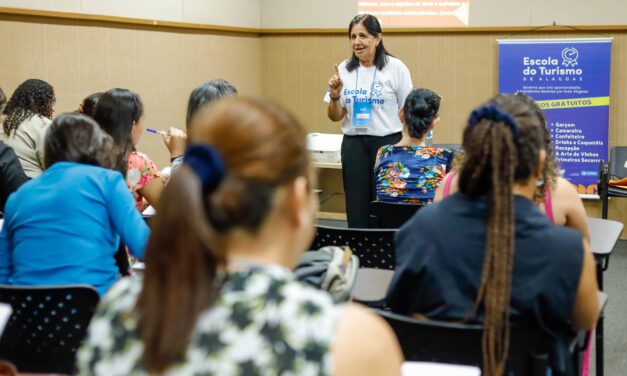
[371,285]
[336,166]
[604,234]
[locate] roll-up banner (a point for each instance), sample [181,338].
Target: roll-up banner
[570,81]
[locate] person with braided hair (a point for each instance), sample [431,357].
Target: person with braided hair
[410,171]
[555,195]
[28,117]
[498,260]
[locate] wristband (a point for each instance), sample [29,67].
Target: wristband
[334,99]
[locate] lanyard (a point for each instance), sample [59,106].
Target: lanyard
[371,85]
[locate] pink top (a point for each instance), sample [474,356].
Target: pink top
[141,171]
[548,204]
[447,184]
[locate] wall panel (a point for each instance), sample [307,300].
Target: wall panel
[163,66]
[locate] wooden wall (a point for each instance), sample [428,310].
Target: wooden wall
[162,65]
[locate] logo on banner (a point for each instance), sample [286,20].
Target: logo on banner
[570,56]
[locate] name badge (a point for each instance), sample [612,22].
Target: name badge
[362,114]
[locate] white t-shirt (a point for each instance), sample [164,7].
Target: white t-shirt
[390,87]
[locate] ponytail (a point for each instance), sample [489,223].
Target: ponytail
[182,260]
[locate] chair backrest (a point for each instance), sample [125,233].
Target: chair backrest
[455,343]
[391,214]
[47,326]
[374,247]
[618,161]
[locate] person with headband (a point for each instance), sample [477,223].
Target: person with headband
[64,227]
[410,171]
[365,94]
[218,296]
[504,261]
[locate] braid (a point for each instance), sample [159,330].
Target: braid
[495,159]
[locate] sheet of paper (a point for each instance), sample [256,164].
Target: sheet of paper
[437,369]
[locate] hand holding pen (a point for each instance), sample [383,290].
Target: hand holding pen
[175,140]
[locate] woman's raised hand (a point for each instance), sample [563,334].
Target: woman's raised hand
[335,84]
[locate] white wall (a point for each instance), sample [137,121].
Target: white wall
[239,13]
[290,14]
[294,14]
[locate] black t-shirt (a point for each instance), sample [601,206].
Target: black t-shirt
[439,260]
[11,173]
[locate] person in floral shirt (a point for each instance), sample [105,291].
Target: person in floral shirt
[120,112]
[410,171]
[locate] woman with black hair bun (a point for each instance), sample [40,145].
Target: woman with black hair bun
[365,94]
[28,116]
[410,171]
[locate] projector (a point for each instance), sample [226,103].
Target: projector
[324,147]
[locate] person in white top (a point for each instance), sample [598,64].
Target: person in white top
[27,118]
[366,93]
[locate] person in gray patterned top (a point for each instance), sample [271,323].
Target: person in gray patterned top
[218,296]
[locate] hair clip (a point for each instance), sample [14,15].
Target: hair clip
[207,164]
[492,112]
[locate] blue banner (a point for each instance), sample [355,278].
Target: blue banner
[570,80]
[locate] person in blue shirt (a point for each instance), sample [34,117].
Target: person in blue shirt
[64,227]
[410,171]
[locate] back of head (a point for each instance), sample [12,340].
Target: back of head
[77,138]
[206,93]
[89,104]
[116,112]
[32,97]
[421,108]
[242,151]
[503,144]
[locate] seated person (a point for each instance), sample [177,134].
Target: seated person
[410,171]
[218,296]
[11,172]
[488,254]
[202,96]
[555,196]
[88,106]
[65,226]
[26,119]
[120,113]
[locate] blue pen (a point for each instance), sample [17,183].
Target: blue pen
[163,133]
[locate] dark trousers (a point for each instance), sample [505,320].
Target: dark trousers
[358,157]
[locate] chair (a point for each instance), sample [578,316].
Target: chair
[455,343]
[47,326]
[391,214]
[374,247]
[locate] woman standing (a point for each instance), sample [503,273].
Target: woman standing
[28,116]
[365,93]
